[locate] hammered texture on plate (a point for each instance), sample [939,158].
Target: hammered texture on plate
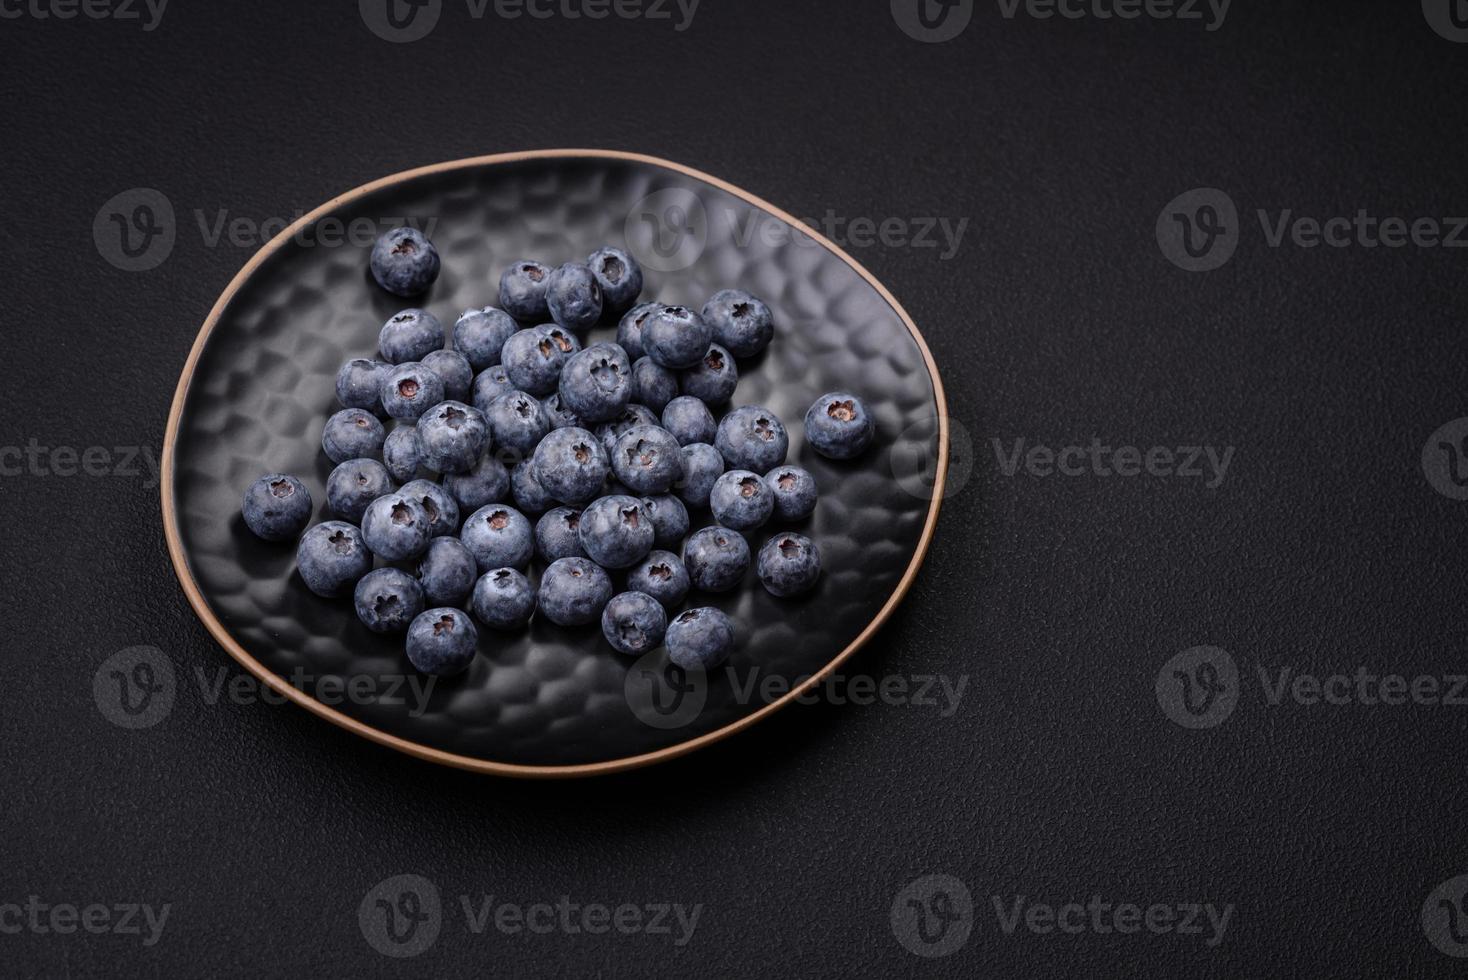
[264,386]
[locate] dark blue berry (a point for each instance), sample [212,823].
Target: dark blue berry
[487,483]
[558,535]
[740,322]
[700,639]
[518,424]
[404,262]
[662,576]
[440,507]
[634,623]
[570,465]
[331,557]
[503,599]
[533,358]
[453,370]
[409,390]
[652,384]
[442,642]
[489,384]
[574,591]
[615,533]
[716,559]
[277,507]
[741,500]
[689,420]
[675,337]
[629,329]
[352,433]
[402,452]
[574,297]
[525,489]
[795,493]
[480,335]
[557,414]
[447,572]
[353,485]
[647,459]
[596,383]
[838,426]
[702,467]
[388,600]
[396,527]
[453,437]
[713,379]
[498,537]
[789,564]
[359,384]
[752,438]
[410,336]
[669,518]
[632,416]
[522,291]
[618,275]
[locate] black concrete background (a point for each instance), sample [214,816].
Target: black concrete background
[1324,549]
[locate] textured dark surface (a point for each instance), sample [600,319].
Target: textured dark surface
[548,696]
[1061,598]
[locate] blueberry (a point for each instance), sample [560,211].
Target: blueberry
[652,384]
[647,459]
[634,623]
[629,330]
[702,467]
[441,508]
[453,370]
[489,384]
[740,322]
[838,426]
[447,572]
[574,297]
[404,262]
[689,420]
[618,275]
[557,414]
[662,576]
[387,600]
[442,642]
[789,564]
[331,557]
[716,559]
[453,437]
[353,485]
[525,489]
[480,335]
[396,527]
[574,591]
[795,492]
[596,383]
[277,507]
[615,533]
[410,336]
[669,519]
[752,438]
[359,384]
[533,358]
[402,452]
[557,535]
[503,599]
[675,337]
[487,483]
[570,465]
[498,537]
[700,639]
[632,416]
[352,433]
[518,423]
[741,500]
[522,291]
[409,390]
[713,379]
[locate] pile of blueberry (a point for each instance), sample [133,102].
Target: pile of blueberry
[609,446]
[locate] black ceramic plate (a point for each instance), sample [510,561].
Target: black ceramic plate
[547,701]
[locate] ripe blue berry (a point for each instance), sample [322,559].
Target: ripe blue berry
[480,335]
[629,329]
[353,485]
[789,564]
[498,537]
[752,438]
[713,379]
[409,390]
[402,452]
[352,433]
[662,576]
[675,337]
[716,559]
[277,507]
[410,336]
[647,459]
[596,383]
[447,572]
[527,493]
[396,527]
[558,535]
[522,291]
[618,275]
[488,482]
[331,557]
[404,262]
[533,358]
[570,465]
[740,322]
[489,384]
[652,384]
[359,384]
[634,623]
[574,297]
[795,493]
[503,599]
[388,600]
[702,467]
[518,423]
[453,370]
[700,639]
[574,591]
[441,508]
[557,414]
[614,533]
[669,519]
[741,500]
[442,642]
[453,437]
[689,420]
[838,426]
[632,416]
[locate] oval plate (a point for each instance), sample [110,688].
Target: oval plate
[547,702]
